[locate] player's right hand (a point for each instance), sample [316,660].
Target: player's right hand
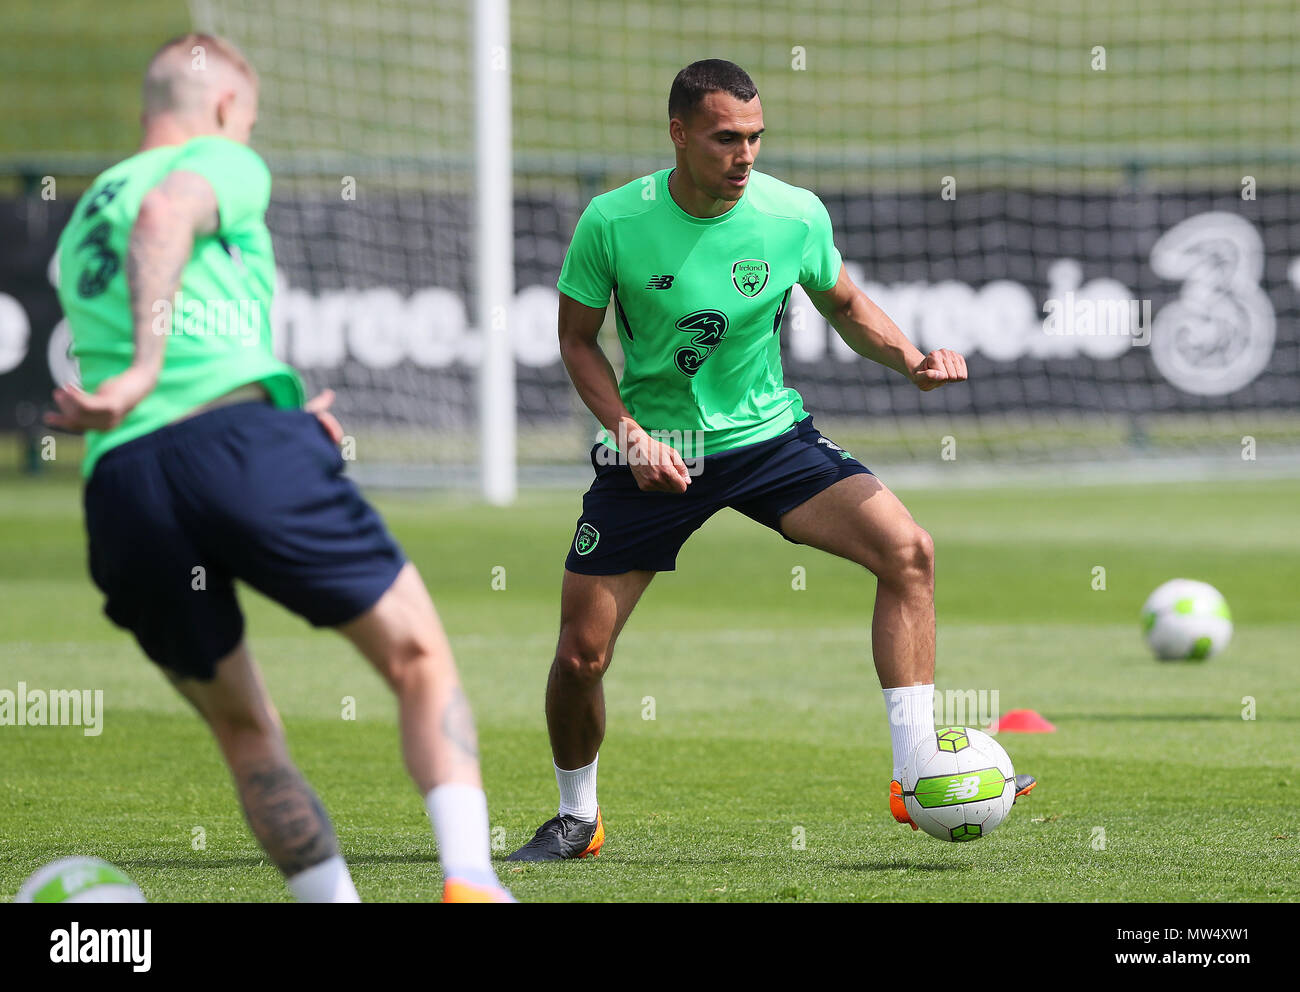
[657,467]
[320,406]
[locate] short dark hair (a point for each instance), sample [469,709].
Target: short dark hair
[708,76]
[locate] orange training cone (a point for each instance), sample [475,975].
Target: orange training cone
[1023,722]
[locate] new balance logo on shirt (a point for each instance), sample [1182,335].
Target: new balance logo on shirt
[660,282]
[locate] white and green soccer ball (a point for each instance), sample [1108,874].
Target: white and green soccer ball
[958,784]
[79,880]
[1185,619]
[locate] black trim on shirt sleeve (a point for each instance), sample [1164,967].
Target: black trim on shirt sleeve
[622,314]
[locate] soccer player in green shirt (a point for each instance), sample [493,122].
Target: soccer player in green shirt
[202,467]
[700,260]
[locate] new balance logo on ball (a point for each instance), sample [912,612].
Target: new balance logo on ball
[966,788]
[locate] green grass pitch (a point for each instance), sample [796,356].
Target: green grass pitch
[768,722]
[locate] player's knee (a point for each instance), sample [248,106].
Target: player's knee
[910,560]
[410,663]
[924,551]
[580,661]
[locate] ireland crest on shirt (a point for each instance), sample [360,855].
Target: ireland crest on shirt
[749,275]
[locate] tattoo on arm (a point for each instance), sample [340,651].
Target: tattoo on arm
[180,208]
[458,724]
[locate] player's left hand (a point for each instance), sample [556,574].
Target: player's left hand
[939,367]
[103,409]
[320,405]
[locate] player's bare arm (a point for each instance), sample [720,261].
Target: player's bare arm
[656,466]
[868,330]
[179,209]
[176,212]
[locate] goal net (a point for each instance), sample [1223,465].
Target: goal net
[1098,205]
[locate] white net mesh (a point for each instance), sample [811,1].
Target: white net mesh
[1132,170]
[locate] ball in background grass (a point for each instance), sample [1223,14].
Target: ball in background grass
[1186,620]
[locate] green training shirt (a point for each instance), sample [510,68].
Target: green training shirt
[698,303]
[219,325]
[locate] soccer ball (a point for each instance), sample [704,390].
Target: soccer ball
[959,784]
[79,880]
[1186,619]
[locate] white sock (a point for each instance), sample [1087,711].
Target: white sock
[460,823]
[911,719]
[578,791]
[328,881]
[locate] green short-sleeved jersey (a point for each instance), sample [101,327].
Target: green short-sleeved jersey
[219,326]
[699,304]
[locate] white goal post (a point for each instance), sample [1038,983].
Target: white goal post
[494,258]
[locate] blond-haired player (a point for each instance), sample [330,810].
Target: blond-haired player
[201,454]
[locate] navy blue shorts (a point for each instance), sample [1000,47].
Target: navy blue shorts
[245,492]
[623,528]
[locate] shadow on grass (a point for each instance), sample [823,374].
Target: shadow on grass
[1170,717]
[894,866]
[865,866]
[253,861]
